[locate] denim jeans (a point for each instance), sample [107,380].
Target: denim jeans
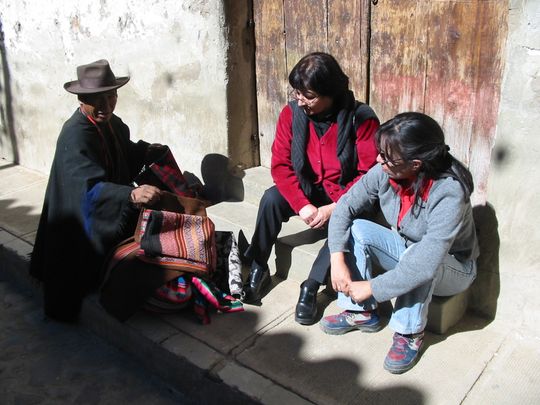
[373,243]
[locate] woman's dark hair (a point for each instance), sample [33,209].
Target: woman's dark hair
[414,135]
[319,72]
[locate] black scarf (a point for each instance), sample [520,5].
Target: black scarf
[349,117]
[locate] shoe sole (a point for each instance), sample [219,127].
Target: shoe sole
[400,370]
[342,331]
[303,321]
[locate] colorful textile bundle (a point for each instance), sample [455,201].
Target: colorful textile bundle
[203,295]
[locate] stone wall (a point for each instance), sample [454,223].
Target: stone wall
[510,226]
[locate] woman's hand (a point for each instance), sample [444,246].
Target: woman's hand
[308,213]
[323,215]
[360,291]
[145,195]
[339,273]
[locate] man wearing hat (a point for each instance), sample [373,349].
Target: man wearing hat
[89,204]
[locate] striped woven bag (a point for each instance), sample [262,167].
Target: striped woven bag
[177,241]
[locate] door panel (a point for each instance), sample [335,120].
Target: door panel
[270,70]
[448,64]
[286,30]
[348,41]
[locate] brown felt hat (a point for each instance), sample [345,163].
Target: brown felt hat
[96,77]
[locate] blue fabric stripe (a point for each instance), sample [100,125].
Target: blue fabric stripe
[89,206]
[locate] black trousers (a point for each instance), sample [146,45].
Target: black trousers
[273,211]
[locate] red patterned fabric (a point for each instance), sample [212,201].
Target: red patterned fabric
[167,171]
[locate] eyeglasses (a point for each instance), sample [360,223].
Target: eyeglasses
[386,160]
[297,95]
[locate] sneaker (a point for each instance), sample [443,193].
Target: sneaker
[366,321]
[404,352]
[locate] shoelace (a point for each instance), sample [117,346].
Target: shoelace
[399,343]
[402,341]
[351,316]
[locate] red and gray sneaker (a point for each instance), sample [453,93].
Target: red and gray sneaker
[366,321]
[404,352]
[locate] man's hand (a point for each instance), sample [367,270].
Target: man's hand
[360,291]
[339,273]
[145,195]
[308,213]
[323,216]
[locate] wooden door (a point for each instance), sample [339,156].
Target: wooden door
[441,57]
[286,30]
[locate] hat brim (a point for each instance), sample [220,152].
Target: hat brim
[74,87]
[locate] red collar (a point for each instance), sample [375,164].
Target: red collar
[406,195]
[403,188]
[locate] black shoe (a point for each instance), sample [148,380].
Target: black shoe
[306,308]
[258,280]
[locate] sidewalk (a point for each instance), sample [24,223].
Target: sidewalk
[263,355]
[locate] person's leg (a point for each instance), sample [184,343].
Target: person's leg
[410,311]
[371,244]
[306,308]
[454,277]
[273,211]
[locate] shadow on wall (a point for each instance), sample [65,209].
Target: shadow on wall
[222,181]
[485,289]
[6,107]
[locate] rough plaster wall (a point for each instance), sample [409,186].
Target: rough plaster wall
[514,178]
[173,50]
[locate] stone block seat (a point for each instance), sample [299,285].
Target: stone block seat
[445,312]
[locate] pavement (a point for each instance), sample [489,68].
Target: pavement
[45,362]
[262,355]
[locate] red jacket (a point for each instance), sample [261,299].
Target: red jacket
[321,155]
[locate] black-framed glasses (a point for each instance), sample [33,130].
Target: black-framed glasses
[386,160]
[297,95]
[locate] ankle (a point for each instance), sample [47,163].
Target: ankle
[311,284]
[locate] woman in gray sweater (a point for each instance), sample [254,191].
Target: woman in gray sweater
[431,248]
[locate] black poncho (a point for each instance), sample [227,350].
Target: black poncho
[86,211]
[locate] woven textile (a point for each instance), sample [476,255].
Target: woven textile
[191,291]
[163,172]
[208,296]
[178,241]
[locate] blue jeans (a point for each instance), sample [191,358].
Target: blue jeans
[373,243]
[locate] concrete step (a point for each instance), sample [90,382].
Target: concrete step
[256,180]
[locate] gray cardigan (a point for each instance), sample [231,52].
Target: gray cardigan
[443,225]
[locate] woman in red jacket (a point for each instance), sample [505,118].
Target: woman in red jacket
[324,143]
